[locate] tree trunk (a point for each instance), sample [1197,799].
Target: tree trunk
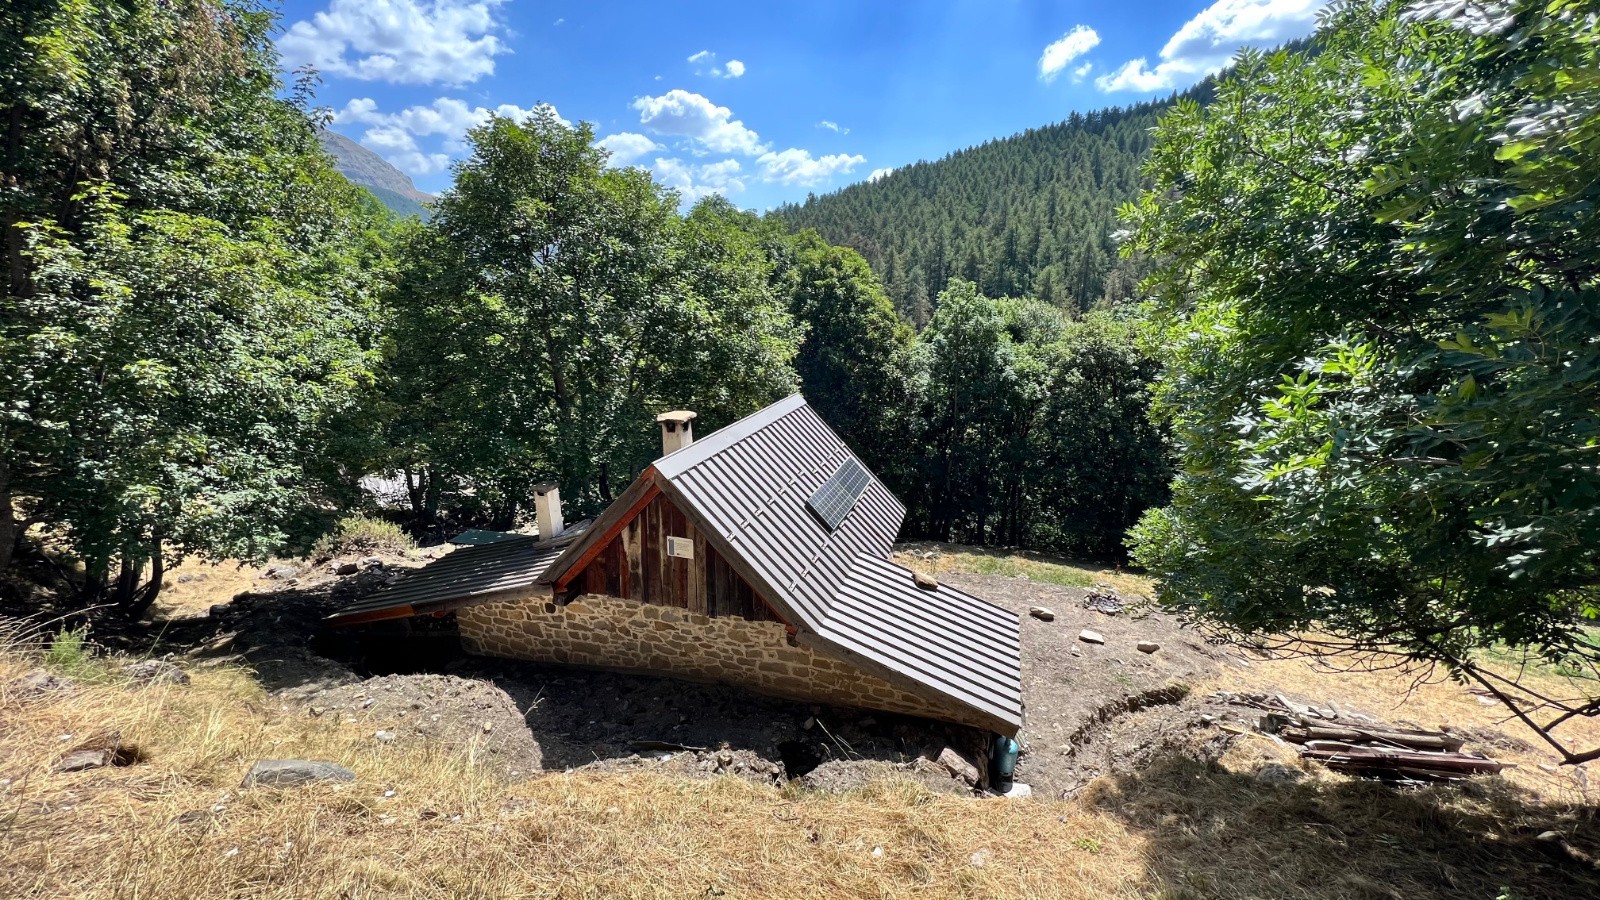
[8,517]
[151,589]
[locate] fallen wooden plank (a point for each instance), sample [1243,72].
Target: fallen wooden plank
[1416,740]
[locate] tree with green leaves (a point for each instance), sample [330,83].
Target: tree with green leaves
[555,305]
[1378,295]
[187,286]
[855,360]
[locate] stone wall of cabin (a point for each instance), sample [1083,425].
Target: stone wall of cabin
[626,635]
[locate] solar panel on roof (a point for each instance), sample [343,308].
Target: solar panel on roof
[832,501]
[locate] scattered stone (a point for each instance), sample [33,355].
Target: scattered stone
[371,561]
[384,737]
[38,683]
[185,579]
[425,814]
[980,858]
[79,760]
[1148,646]
[488,727]
[958,765]
[1208,720]
[809,723]
[1043,613]
[154,671]
[346,568]
[317,711]
[1091,637]
[293,772]
[1278,773]
[281,573]
[1103,599]
[1018,791]
[925,581]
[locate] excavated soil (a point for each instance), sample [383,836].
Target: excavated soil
[1092,708]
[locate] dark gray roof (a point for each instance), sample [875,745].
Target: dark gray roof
[951,642]
[460,577]
[748,485]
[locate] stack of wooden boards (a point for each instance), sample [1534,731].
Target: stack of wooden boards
[1366,748]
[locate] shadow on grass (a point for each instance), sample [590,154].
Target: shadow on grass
[1215,833]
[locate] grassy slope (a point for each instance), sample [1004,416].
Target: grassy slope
[1179,829]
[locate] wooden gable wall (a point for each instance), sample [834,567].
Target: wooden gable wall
[634,565]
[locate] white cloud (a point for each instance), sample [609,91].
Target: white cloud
[394,135]
[833,126]
[401,41]
[797,167]
[879,173]
[705,63]
[684,114]
[1081,72]
[1207,42]
[627,147]
[695,181]
[1075,43]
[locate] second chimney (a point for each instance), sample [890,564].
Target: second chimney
[547,509]
[677,432]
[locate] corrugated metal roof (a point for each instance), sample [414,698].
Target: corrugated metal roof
[964,648]
[475,536]
[749,484]
[460,577]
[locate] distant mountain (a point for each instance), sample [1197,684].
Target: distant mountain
[391,186]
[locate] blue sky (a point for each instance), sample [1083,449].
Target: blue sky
[763,102]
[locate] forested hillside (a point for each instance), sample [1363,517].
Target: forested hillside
[1028,215]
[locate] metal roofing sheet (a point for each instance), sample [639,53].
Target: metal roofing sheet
[460,576]
[951,642]
[751,482]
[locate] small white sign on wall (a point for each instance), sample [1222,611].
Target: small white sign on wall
[683,548]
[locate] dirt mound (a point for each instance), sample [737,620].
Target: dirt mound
[442,710]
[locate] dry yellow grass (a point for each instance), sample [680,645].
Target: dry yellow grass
[449,829]
[420,823]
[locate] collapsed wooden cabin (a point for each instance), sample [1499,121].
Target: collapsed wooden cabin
[758,556]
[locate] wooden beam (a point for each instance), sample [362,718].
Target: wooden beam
[610,534]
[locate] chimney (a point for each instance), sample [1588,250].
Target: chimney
[547,507]
[676,430]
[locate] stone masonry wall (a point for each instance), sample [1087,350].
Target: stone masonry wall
[611,633]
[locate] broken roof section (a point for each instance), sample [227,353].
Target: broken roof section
[463,576]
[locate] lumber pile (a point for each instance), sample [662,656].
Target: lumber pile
[1357,745]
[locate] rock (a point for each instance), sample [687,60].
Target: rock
[154,671]
[1103,599]
[371,561]
[809,723]
[281,573]
[1277,773]
[980,858]
[1043,613]
[1018,791]
[384,737]
[294,772]
[1148,646]
[346,568]
[1091,637]
[38,683]
[79,760]
[925,581]
[958,765]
